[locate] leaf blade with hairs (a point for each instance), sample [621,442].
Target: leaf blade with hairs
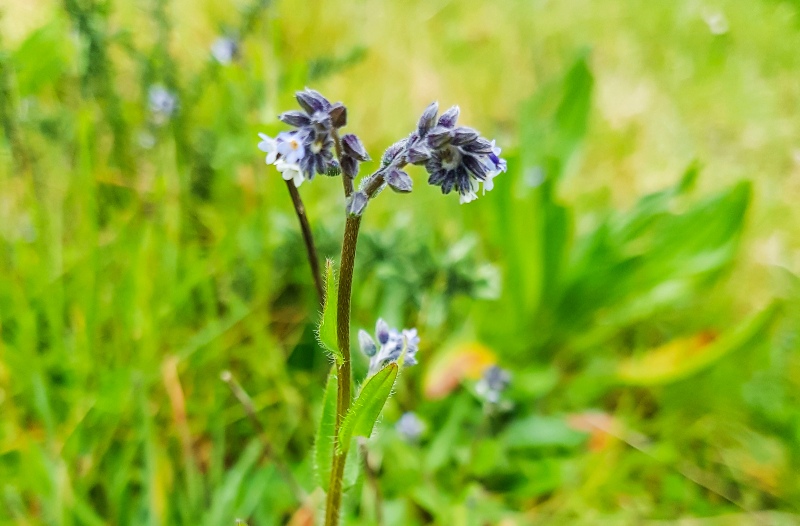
[367,408]
[326,331]
[323,443]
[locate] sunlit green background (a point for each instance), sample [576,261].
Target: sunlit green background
[634,269]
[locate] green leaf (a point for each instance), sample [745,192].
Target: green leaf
[326,332]
[680,359]
[352,466]
[368,406]
[323,444]
[42,58]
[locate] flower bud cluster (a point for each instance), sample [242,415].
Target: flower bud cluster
[389,344]
[456,157]
[306,151]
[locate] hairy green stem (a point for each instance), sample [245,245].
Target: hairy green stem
[308,238]
[344,376]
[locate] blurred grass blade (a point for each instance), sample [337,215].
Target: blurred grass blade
[327,324]
[368,406]
[323,444]
[224,498]
[687,356]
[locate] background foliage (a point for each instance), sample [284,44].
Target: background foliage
[634,270]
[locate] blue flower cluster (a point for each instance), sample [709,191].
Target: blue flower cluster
[393,344]
[456,157]
[494,381]
[307,150]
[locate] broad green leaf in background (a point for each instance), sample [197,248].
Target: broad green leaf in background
[323,444]
[327,324]
[686,356]
[368,406]
[654,258]
[532,228]
[42,58]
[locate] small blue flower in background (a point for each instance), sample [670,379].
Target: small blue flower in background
[456,157]
[390,346]
[410,427]
[494,381]
[162,103]
[225,50]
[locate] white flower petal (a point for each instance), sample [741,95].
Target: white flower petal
[468,198]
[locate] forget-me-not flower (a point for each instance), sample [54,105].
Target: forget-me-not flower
[162,102]
[410,427]
[286,151]
[225,50]
[456,157]
[391,345]
[494,381]
[314,126]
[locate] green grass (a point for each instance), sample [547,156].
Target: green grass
[635,269]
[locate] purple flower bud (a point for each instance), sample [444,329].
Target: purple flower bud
[321,121]
[295,118]
[418,154]
[449,118]
[478,146]
[356,203]
[349,166]
[428,118]
[399,181]
[463,135]
[393,151]
[312,101]
[439,136]
[382,331]
[353,147]
[367,344]
[475,166]
[338,113]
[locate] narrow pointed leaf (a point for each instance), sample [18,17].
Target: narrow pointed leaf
[323,444]
[684,357]
[327,324]
[368,406]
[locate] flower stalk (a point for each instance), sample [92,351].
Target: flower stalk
[308,239]
[344,376]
